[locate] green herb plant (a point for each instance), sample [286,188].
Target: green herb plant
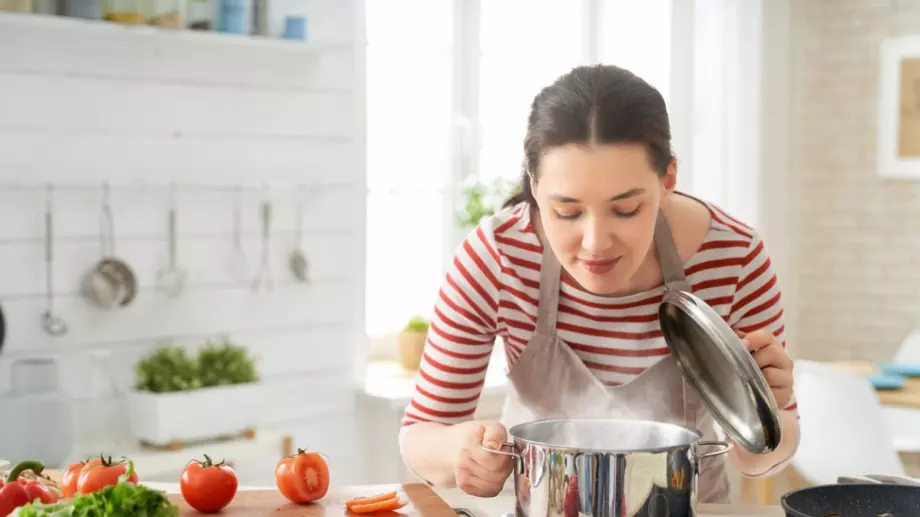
[416,324]
[171,369]
[479,200]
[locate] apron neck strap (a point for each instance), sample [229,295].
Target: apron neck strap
[550,281]
[672,272]
[672,269]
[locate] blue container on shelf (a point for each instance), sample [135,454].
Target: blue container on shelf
[902,369]
[887,381]
[234,17]
[295,28]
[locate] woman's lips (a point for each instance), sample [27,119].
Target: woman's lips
[599,267]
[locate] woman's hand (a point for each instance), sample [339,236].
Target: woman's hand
[773,361]
[478,472]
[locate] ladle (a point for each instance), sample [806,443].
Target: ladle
[298,258]
[54,325]
[171,280]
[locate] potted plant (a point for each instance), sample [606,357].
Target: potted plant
[481,199]
[411,343]
[180,397]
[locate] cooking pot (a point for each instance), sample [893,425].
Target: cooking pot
[604,467]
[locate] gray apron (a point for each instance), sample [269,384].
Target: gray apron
[550,381]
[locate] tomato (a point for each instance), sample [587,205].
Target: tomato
[208,487]
[303,477]
[96,475]
[72,474]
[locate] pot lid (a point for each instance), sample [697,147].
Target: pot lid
[716,363]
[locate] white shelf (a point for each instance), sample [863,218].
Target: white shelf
[79,25]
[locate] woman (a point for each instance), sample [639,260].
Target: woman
[570,274]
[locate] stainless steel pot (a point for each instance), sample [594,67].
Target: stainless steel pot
[606,468]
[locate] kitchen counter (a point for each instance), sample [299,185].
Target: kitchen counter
[496,506]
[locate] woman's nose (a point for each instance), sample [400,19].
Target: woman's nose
[595,236]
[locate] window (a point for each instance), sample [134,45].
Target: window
[449,86]
[409,92]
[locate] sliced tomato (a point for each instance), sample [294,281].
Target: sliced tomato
[303,477]
[371,499]
[385,505]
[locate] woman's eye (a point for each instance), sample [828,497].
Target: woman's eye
[626,215]
[566,216]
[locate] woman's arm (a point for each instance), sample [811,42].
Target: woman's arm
[456,355]
[757,306]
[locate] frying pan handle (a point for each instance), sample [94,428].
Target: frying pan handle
[723,448]
[2,329]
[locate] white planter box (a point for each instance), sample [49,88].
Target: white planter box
[188,416]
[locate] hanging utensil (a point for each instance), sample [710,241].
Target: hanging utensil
[110,284]
[52,324]
[171,280]
[238,264]
[2,329]
[298,259]
[264,272]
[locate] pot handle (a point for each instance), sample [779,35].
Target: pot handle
[724,447]
[504,453]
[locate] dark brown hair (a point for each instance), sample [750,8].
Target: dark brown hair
[600,104]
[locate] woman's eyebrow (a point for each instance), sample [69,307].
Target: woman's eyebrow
[624,195]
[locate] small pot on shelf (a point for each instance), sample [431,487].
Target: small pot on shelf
[411,343]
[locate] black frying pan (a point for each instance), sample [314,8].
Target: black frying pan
[853,500]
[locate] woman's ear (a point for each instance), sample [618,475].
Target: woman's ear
[533,184]
[669,181]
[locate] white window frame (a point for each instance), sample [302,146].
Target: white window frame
[716,51]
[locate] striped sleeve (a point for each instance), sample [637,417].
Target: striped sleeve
[461,336]
[757,303]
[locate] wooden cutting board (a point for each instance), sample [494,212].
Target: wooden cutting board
[423,502]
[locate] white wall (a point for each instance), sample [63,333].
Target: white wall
[85,103]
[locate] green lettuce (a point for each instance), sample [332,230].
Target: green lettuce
[123,499]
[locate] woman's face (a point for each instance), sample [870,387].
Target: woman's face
[598,205]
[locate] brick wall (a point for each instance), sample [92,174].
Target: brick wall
[857,237]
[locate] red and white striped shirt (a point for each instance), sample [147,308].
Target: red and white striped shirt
[493,286]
